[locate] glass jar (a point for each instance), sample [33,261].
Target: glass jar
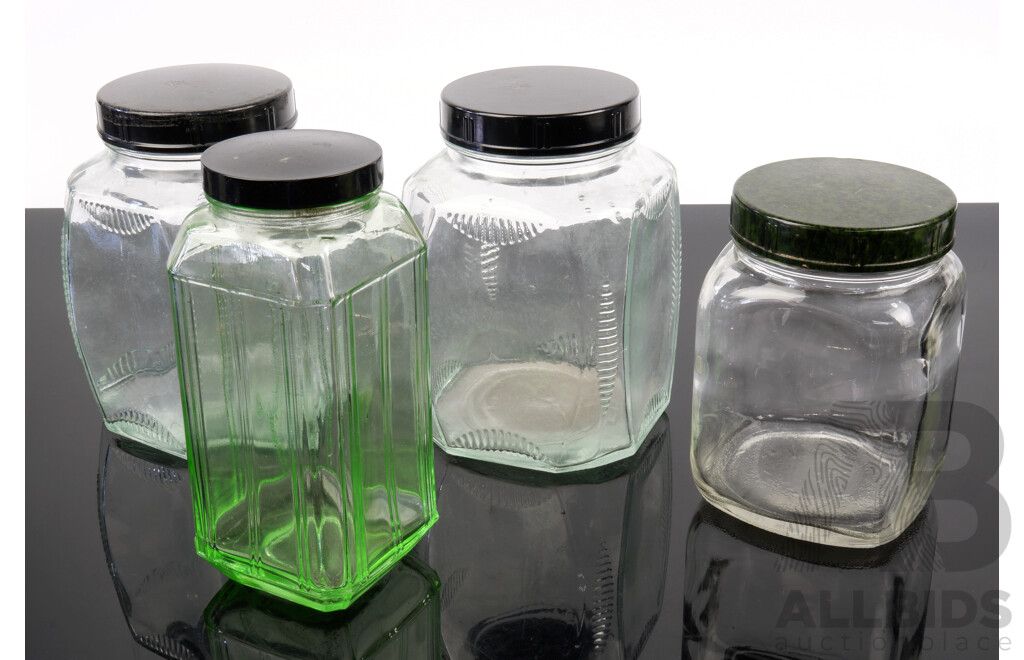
[299,298]
[554,244]
[123,209]
[827,341]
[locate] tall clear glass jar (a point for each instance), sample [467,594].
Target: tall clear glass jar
[827,342]
[123,209]
[554,242]
[300,311]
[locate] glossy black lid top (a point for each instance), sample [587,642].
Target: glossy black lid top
[187,108]
[298,169]
[843,214]
[540,110]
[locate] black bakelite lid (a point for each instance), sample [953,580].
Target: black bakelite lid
[540,111]
[187,108]
[842,214]
[298,169]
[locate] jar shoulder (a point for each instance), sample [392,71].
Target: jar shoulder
[635,163]
[164,189]
[304,259]
[614,188]
[97,168]
[736,282]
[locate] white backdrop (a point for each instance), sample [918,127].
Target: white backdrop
[726,85]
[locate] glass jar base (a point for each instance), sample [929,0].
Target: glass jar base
[496,446]
[803,532]
[536,415]
[144,428]
[283,585]
[523,461]
[811,481]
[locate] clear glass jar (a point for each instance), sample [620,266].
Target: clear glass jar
[299,298]
[827,342]
[554,250]
[123,209]
[561,565]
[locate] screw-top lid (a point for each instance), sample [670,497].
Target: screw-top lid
[540,111]
[299,169]
[187,108]
[842,214]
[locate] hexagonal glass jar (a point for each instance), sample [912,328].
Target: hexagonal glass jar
[299,298]
[554,248]
[123,209]
[827,342]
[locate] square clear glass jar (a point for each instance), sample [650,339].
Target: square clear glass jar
[554,242]
[824,372]
[302,346]
[822,400]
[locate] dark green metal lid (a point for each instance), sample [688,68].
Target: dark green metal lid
[842,214]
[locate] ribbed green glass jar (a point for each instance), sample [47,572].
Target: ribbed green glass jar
[300,308]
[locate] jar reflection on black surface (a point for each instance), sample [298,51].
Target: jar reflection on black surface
[145,518]
[397,619]
[754,595]
[536,565]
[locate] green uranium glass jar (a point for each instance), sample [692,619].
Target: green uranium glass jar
[300,311]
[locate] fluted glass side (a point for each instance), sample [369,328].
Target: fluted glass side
[304,378]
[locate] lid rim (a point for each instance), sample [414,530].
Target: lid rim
[179,148]
[831,267]
[778,219]
[537,151]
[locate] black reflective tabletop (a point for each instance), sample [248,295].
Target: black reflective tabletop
[619,562]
